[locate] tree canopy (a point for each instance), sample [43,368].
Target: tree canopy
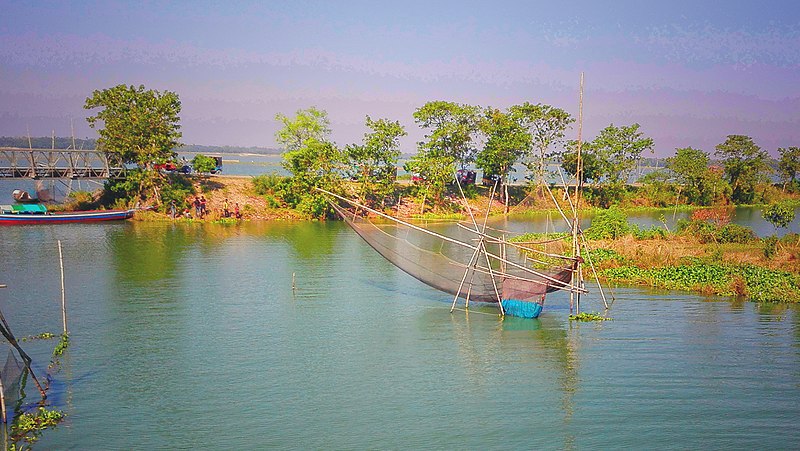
[375,161]
[546,126]
[789,164]
[745,166]
[619,149]
[142,125]
[311,158]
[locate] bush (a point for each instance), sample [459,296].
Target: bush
[734,233]
[608,224]
[770,246]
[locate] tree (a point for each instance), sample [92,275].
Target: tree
[449,142]
[546,125]
[619,150]
[374,163]
[451,129]
[142,126]
[307,124]
[745,166]
[312,160]
[506,142]
[789,165]
[592,169]
[779,215]
[203,164]
[690,167]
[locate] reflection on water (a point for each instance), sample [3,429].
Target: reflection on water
[191,336]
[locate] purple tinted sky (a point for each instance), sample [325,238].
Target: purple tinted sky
[689,73]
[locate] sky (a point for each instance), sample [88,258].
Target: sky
[688,72]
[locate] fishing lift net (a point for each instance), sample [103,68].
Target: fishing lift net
[461,260]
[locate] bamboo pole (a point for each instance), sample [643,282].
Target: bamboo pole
[63,293]
[3,401]
[2,391]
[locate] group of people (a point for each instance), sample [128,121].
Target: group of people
[226,211]
[200,212]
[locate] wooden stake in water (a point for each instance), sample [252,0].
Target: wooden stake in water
[63,295]
[293,285]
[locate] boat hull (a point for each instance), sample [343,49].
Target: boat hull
[11,219]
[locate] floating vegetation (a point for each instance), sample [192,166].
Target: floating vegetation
[41,336]
[62,345]
[29,426]
[586,317]
[757,283]
[226,221]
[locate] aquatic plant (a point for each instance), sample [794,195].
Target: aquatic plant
[62,345]
[29,426]
[757,283]
[41,336]
[586,317]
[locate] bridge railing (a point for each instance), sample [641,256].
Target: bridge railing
[59,163]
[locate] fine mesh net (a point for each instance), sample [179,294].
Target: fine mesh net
[11,376]
[444,261]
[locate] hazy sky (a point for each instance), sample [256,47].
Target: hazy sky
[689,73]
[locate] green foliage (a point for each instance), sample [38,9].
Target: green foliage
[789,165]
[62,345]
[546,126]
[707,232]
[450,128]
[41,336]
[651,233]
[601,255]
[506,140]
[592,170]
[374,163]
[735,233]
[27,427]
[745,166]
[779,215]
[619,150]
[141,125]
[178,188]
[273,188]
[311,159]
[203,164]
[586,317]
[608,224]
[310,124]
[759,284]
[770,246]
[700,185]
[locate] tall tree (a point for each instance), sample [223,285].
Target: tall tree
[506,142]
[311,158]
[619,150]
[789,165]
[745,166]
[451,129]
[449,142]
[374,163]
[141,125]
[547,126]
[690,167]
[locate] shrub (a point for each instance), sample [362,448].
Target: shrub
[608,224]
[734,233]
[770,246]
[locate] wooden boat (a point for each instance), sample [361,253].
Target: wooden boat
[26,214]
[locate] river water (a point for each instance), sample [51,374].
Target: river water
[190,336]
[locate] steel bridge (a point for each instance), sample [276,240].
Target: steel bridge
[59,164]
